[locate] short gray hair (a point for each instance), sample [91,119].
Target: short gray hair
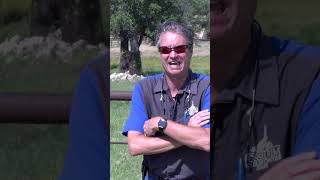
[175,27]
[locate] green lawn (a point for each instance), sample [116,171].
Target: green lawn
[291,19]
[121,163]
[32,152]
[151,65]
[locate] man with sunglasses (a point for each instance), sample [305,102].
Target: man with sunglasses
[265,98]
[169,119]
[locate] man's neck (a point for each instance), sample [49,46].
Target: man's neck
[227,58]
[175,83]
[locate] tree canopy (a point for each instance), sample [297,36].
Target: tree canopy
[132,20]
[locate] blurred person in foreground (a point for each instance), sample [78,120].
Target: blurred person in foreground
[88,150]
[266,99]
[169,119]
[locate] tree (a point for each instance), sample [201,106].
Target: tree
[77,19]
[132,20]
[196,14]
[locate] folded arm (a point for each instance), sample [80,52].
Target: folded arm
[139,144]
[191,135]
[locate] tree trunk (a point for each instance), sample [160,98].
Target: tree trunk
[46,16]
[124,51]
[130,61]
[79,19]
[82,20]
[135,61]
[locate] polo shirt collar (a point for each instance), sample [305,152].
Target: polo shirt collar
[267,89]
[162,85]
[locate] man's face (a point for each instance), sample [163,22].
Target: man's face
[175,61]
[231,18]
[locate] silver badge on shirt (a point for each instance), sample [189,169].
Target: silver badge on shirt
[192,110]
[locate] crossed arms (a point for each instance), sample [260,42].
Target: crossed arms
[176,135]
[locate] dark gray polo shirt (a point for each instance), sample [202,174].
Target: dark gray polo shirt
[286,72]
[183,162]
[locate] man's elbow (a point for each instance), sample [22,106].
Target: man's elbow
[204,142]
[206,147]
[203,146]
[133,149]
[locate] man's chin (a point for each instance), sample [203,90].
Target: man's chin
[175,73]
[218,33]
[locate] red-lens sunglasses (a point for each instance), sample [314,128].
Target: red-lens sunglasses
[177,49]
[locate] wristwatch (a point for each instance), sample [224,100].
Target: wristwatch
[162,124]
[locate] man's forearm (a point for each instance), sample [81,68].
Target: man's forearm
[193,137]
[140,144]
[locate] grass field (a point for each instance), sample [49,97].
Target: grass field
[121,163]
[291,19]
[32,152]
[36,152]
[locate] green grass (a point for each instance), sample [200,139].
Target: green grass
[41,75]
[122,165]
[32,152]
[291,19]
[151,65]
[122,86]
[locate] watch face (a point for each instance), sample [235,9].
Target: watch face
[162,124]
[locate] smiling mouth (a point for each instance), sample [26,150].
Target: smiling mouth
[218,6]
[174,63]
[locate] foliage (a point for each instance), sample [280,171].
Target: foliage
[136,16]
[13,10]
[196,14]
[14,18]
[105,12]
[132,20]
[141,17]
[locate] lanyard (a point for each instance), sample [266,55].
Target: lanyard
[187,101]
[249,113]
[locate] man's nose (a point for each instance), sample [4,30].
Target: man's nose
[173,54]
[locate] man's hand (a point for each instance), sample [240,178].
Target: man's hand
[150,127]
[300,167]
[200,119]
